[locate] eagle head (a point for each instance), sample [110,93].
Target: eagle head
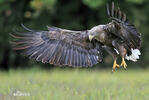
[91,36]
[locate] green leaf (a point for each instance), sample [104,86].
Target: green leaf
[4,8]
[136,1]
[94,3]
[37,4]
[48,2]
[2,1]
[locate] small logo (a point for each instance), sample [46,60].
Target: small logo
[19,93]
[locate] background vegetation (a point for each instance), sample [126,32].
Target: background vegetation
[69,14]
[74,84]
[27,76]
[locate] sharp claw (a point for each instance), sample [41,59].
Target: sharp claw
[113,70]
[123,64]
[115,65]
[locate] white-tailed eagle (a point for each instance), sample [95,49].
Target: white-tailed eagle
[82,48]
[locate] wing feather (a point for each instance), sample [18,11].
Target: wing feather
[57,46]
[125,30]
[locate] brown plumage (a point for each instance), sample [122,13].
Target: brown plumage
[82,48]
[58,46]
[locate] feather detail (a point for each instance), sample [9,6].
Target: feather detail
[134,56]
[58,46]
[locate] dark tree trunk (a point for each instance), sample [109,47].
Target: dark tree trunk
[4,64]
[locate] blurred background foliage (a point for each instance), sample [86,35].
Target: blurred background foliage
[68,14]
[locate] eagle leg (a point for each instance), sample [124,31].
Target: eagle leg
[122,50]
[114,54]
[115,65]
[123,63]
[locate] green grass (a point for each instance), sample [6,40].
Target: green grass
[84,84]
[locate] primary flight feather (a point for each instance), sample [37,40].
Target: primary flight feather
[82,48]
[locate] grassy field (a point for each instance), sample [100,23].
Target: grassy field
[84,84]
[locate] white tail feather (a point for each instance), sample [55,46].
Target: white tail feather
[134,56]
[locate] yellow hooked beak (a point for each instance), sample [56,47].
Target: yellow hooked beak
[91,37]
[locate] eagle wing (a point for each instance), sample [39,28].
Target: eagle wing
[124,30]
[58,46]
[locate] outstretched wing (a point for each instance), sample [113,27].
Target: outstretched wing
[124,29]
[58,46]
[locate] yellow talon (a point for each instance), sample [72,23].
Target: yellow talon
[115,65]
[123,63]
